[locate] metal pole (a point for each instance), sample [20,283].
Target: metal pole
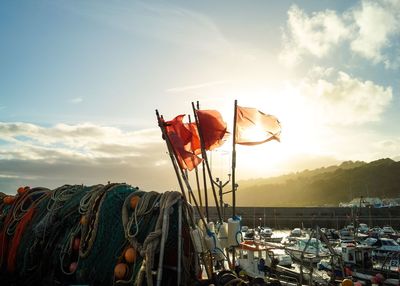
[221,202]
[234,161]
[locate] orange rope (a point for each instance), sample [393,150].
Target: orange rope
[19,231]
[4,236]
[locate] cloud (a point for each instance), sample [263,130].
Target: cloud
[377,22]
[83,140]
[82,153]
[368,29]
[390,145]
[76,100]
[316,34]
[340,99]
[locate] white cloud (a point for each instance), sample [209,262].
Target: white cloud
[83,153]
[338,98]
[377,22]
[316,34]
[369,29]
[83,140]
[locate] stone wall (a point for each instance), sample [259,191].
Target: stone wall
[330,217]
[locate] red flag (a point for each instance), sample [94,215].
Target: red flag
[213,128]
[194,144]
[255,127]
[181,138]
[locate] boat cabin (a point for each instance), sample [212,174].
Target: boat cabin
[357,255]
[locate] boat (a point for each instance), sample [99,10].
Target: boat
[259,261]
[356,260]
[363,228]
[383,246]
[266,232]
[309,250]
[296,232]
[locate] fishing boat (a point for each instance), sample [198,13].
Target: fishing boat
[259,261]
[383,247]
[356,260]
[308,250]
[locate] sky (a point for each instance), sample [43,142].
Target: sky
[80,82]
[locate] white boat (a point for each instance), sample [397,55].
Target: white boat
[284,259]
[260,262]
[296,232]
[266,232]
[309,250]
[357,262]
[383,246]
[363,228]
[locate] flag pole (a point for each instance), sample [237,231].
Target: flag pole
[187,176]
[203,164]
[197,178]
[234,161]
[204,154]
[172,155]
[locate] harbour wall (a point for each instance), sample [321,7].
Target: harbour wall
[309,217]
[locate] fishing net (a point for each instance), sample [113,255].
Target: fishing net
[77,234]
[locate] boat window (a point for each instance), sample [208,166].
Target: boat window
[244,253]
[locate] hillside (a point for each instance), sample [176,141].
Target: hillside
[324,186]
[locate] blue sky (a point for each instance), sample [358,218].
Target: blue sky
[80,80]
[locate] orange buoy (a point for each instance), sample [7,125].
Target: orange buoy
[134,201]
[130,255]
[347,282]
[21,190]
[76,244]
[120,271]
[83,220]
[72,267]
[8,200]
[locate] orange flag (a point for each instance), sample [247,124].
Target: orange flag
[255,127]
[181,140]
[213,128]
[194,144]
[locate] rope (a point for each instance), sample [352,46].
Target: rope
[89,230]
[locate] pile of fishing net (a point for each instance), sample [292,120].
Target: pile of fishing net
[97,235]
